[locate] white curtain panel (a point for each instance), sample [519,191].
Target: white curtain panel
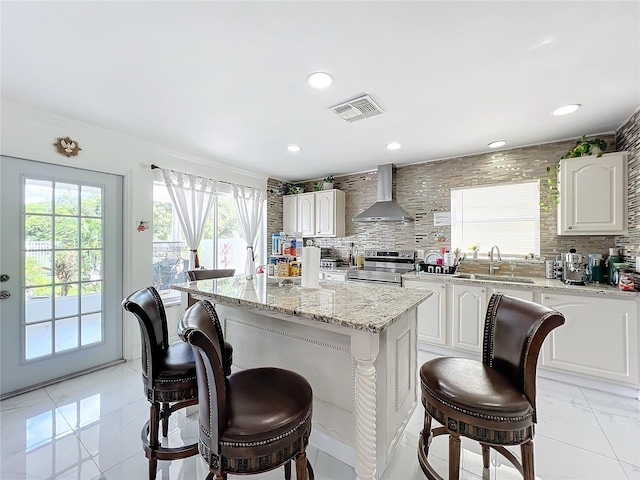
[249,205]
[192,198]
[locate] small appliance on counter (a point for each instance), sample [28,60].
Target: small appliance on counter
[612,259]
[330,262]
[575,268]
[558,268]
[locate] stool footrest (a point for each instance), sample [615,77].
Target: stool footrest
[429,471]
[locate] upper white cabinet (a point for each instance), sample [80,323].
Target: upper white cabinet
[599,337]
[289,214]
[330,220]
[314,214]
[593,195]
[432,313]
[307,214]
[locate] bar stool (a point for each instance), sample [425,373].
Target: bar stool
[493,401]
[252,421]
[202,274]
[168,375]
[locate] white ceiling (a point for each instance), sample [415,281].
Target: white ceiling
[226,80]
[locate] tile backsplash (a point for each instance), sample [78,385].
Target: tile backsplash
[423,189]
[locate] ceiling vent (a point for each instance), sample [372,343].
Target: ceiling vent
[358,109]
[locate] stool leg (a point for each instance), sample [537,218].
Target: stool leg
[454,457]
[287,470]
[165,419]
[485,455]
[301,465]
[528,467]
[154,421]
[426,432]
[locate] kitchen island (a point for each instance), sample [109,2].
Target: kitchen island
[356,345]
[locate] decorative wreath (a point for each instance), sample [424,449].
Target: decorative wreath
[67,147]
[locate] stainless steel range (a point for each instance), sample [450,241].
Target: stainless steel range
[383,266]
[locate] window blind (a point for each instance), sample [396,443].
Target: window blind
[507,215]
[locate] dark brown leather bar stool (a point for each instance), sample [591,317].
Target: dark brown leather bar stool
[493,401]
[168,375]
[195,275]
[252,421]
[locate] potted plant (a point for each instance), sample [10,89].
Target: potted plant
[328,182]
[586,147]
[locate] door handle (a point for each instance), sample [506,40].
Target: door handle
[4,278]
[5,294]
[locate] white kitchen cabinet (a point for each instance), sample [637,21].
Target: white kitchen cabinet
[599,337]
[330,221]
[468,309]
[290,214]
[314,214]
[593,195]
[307,214]
[432,313]
[512,292]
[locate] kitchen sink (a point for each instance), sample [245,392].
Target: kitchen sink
[494,278]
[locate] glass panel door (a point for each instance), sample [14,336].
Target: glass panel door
[63,315]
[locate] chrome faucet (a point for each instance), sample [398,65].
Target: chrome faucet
[492,263]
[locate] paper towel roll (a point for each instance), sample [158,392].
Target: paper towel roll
[310,267]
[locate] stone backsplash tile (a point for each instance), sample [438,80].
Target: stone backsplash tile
[628,139]
[424,188]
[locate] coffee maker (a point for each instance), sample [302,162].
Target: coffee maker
[575,268]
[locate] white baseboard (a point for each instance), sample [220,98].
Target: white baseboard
[333,447]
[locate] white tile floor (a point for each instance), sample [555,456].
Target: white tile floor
[89,428]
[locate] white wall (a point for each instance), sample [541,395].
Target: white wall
[30,134]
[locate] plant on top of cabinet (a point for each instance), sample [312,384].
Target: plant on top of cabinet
[586,147]
[328,182]
[290,189]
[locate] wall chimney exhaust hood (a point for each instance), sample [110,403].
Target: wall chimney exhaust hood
[385,209]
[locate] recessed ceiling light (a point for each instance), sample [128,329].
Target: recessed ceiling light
[497,144]
[393,145]
[565,109]
[319,80]
[294,148]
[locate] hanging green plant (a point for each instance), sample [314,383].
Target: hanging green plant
[549,193]
[586,147]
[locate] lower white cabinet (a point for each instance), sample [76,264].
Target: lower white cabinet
[599,337]
[599,340]
[512,292]
[468,309]
[432,313]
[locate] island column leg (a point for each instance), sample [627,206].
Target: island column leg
[364,348]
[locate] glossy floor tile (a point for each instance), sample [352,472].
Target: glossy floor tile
[88,428]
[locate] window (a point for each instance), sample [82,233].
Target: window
[506,215]
[222,245]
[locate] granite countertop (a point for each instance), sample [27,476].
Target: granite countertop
[542,284]
[361,306]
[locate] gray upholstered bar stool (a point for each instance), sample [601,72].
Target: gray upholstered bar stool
[492,401]
[252,421]
[168,375]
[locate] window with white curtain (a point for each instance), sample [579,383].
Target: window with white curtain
[222,245]
[506,215]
